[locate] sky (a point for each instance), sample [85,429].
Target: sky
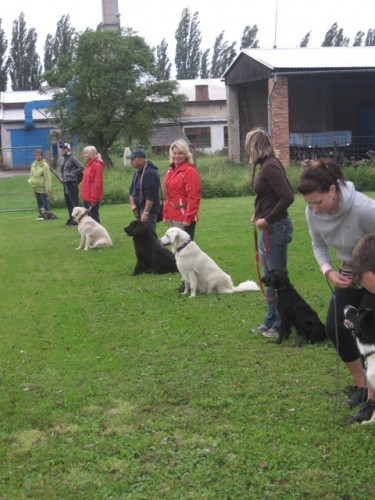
[157,20]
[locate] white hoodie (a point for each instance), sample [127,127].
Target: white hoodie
[341,231]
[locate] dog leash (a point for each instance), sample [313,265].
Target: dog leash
[258,259]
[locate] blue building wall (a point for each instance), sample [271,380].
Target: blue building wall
[25,142]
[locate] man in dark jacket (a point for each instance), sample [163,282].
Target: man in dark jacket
[144,190]
[71,176]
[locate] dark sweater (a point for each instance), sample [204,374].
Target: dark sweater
[273,192]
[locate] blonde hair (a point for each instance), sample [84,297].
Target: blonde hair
[183,147]
[93,152]
[258,144]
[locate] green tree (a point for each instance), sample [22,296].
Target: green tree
[205,65]
[335,37]
[24,63]
[188,42]
[370,38]
[249,38]
[222,56]
[3,62]
[116,91]
[305,40]
[59,50]
[162,60]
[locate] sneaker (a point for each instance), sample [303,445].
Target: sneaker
[260,329]
[39,218]
[271,333]
[365,413]
[356,397]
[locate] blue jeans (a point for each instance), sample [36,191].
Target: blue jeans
[273,250]
[42,201]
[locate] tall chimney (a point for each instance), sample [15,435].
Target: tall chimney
[111,15]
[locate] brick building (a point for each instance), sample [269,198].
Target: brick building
[319,98]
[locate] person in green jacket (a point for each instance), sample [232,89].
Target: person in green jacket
[40,181]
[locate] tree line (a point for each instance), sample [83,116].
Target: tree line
[110,87]
[26,72]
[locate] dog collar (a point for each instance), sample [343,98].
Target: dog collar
[83,215]
[183,246]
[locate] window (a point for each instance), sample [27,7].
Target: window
[200,137]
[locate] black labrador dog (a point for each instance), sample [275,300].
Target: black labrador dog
[293,309]
[151,256]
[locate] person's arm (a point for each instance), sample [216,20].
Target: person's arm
[193,190]
[276,177]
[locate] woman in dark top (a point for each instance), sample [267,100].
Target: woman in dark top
[273,197]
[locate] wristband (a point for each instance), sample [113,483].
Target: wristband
[146,213]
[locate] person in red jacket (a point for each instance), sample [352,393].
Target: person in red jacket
[92,181]
[182,191]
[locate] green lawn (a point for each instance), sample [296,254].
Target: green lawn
[114,386]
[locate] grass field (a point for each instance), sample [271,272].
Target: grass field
[114,386]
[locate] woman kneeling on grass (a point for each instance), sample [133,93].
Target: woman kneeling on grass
[338,216]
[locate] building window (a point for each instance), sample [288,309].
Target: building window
[200,137]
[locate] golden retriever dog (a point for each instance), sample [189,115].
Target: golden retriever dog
[93,234]
[199,272]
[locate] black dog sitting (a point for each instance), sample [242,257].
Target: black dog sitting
[293,309]
[151,255]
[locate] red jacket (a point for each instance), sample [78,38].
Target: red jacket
[182,193]
[92,182]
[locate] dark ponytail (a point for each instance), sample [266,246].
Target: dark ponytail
[320,177]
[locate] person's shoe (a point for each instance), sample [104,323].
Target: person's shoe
[365,413]
[271,333]
[356,397]
[260,329]
[39,218]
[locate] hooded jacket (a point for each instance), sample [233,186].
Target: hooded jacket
[40,177]
[92,182]
[341,231]
[182,193]
[71,167]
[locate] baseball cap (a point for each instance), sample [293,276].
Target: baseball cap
[137,153]
[65,145]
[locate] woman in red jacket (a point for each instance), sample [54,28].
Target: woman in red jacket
[92,181]
[182,192]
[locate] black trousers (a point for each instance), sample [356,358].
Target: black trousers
[71,195]
[94,212]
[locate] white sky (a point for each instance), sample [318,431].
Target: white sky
[155,20]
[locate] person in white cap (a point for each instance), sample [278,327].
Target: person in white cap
[71,175]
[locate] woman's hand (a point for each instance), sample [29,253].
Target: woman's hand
[260,223]
[339,280]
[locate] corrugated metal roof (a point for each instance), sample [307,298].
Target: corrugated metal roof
[24,96]
[322,57]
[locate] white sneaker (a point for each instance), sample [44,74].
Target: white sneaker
[260,329]
[271,333]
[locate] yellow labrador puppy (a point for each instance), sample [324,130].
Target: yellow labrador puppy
[93,234]
[198,271]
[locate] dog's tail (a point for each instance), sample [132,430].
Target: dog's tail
[246,286]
